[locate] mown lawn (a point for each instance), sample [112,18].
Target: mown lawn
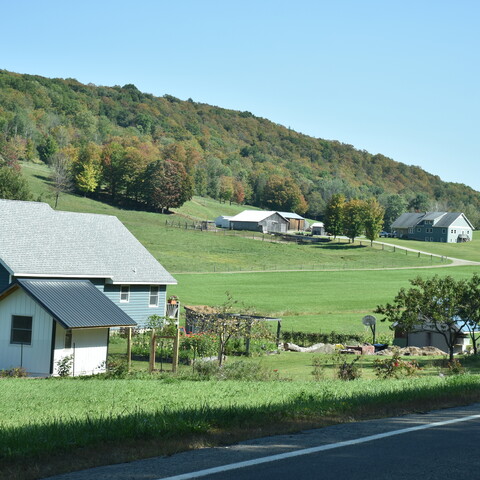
[465,251]
[308,301]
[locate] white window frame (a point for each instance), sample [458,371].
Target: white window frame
[154,295]
[124,293]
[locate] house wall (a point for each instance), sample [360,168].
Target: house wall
[4,278]
[88,350]
[137,307]
[35,358]
[434,339]
[253,226]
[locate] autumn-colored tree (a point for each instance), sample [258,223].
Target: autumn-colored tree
[114,169]
[334,214]
[353,219]
[373,219]
[238,192]
[284,194]
[166,185]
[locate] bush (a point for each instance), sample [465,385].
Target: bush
[318,368]
[349,370]
[308,339]
[64,366]
[395,367]
[16,372]
[455,367]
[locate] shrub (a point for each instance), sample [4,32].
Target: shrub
[349,370]
[308,339]
[17,372]
[318,368]
[395,367]
[455,367]
[64,366]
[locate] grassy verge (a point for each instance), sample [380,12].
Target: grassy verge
[87,413]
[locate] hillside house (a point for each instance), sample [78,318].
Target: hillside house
[259,221]
[65,280]
[448,227]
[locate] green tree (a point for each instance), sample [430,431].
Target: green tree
[13,185]
[114,168]
[419,203]
[470,308]
[430,304]
[354,219]
[334,214]
[47,149]
[394,206]
[373,219]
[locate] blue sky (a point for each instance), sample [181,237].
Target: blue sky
[399,78]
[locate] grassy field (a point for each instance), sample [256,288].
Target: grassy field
[465,251]
[308,301]
[182,250]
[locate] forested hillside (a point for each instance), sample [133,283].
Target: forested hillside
[157,152]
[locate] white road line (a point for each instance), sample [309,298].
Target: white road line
[307,451]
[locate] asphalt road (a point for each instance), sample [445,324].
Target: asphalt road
[395,448]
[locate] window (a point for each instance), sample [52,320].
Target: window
[429,230]
[68,339]
[153,302]
[419,229]
[21,330]
[444,230]
[124,293]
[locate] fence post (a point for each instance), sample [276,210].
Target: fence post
[129,348]
[151,363]
[176,347]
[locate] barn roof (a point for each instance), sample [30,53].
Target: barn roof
[37,241]
[73,303]
[254,216]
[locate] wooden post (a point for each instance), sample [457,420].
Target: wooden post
[176,347]
[129,348]
[151,364]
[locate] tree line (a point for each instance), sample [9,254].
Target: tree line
[108,136]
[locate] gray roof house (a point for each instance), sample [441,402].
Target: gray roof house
[65,279]
[259,221]
[449,227]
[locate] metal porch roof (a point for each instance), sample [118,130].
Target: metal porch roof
[75,303]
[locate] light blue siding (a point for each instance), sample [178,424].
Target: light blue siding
[4,278]
[137,307]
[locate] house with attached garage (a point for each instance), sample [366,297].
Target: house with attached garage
[67,278]
[448,227]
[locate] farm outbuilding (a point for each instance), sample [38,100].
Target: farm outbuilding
[295,221]
[222,221]
[259,221]
[317,228]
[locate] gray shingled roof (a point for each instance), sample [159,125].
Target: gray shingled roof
[36,240]
[74,303]
[407,220]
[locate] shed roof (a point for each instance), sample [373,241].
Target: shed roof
[73,303]
[254,216]
[37,241]
[291,215]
